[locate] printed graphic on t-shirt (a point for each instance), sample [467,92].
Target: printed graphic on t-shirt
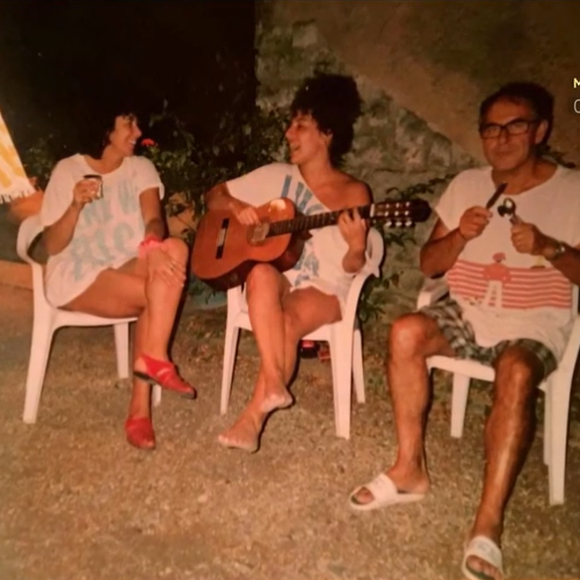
[99,238]
[497,285]
[305,202]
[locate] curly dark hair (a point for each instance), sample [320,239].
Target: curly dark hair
[536,96]
[102,123]
[335,104]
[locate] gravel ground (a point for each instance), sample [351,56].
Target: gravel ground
[78,503]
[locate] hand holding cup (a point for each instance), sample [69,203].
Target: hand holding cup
[89,188]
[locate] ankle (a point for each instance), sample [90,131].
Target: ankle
[488,525]
[155,354]
[410,476]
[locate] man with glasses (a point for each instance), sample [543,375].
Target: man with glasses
[521,330]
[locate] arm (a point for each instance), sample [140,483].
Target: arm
[441,250]
[528,239]
[444,246]
[58,235]
[354,230]
[568,263]
[219,198]
[152,213]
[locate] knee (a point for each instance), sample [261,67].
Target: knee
[177,249]
[518,374]
[407,336]
[261,278]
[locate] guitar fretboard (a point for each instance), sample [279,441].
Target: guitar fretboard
[311,222]
[396,214]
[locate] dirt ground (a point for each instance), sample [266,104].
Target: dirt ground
[78,503]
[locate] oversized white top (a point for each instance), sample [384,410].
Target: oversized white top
[109,229]
[320,264]
[505,294]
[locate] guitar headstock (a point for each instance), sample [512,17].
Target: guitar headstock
[402,213]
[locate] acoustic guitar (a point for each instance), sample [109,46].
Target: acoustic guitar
[225,250]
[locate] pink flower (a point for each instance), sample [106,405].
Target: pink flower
[148,142]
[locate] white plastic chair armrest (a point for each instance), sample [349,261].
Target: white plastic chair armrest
[29,229]
[433,289]
[354,293]
[568,361]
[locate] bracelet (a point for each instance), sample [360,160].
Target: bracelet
[150,242]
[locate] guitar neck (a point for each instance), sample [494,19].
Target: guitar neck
[312,222]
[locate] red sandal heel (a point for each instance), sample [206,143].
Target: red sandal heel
[139,432]
[164,374]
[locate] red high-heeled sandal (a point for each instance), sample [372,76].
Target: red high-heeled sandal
[139,432]
[164,374]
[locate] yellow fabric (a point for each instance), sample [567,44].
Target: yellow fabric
[13,180]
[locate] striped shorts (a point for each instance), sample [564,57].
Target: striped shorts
[459,333]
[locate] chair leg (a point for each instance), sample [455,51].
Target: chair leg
[547,424]
[42,332]
[558,438]
[122,349]
[341,348]
[458,403]
[357,367]
[230,349]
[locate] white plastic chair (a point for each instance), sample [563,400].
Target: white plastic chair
[47,319]
[556,387]
[344,338]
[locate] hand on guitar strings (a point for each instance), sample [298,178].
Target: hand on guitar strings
[353,228]
[244,212]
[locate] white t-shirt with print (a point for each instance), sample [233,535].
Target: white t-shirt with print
[505,294]
[320,263]
[108,231]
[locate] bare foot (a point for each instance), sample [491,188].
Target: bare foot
[278,398]
[244,433]
[417,482]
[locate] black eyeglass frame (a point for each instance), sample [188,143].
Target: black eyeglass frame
[509,127]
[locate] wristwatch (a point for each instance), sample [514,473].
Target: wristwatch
[560,249]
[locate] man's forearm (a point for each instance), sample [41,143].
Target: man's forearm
[438,256]
[58,236]
[568,263]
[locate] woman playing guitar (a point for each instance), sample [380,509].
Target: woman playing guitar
[285,307]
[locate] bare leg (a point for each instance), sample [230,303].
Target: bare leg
[412,340]
[302,311]
[266,291]
[509,432]
[129,291]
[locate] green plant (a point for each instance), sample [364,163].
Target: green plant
[375,293]
[39,160]
[189,168]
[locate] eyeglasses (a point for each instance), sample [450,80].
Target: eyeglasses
[515,127]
